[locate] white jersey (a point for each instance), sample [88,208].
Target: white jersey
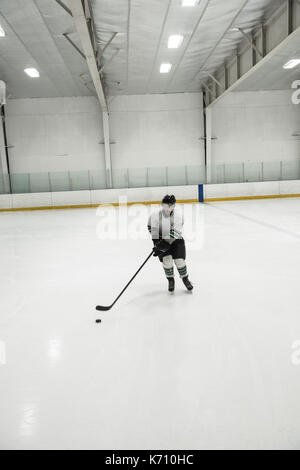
[165,226]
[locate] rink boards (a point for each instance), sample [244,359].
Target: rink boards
[184,194]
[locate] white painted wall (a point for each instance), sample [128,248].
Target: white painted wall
[64,134]
[255,127]
[54,134]
[157,130]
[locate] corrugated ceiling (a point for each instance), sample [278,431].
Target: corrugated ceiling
[35,38]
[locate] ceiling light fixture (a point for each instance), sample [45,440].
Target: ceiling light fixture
[165,68]
[189,3]
[175,41]
[291,64]
[2,32]
[32,72]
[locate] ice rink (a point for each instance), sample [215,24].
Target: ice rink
[215,369]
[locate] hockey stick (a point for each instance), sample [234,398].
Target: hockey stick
[103,308]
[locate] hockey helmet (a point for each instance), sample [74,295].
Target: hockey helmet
[169,200]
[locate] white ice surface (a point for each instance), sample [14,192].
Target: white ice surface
[207,370]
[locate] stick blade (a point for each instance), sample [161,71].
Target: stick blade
[102,308]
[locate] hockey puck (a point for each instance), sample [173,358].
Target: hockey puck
[98,320]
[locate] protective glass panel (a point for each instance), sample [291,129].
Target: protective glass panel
[218,174]
[157,177]
[291,170]
[120,178]
[4,184]
[233,173]
[176,175]
[97,179]
[39,182]
[252,172]
[60,181]
[79,180]
[137,177]
[20,183]
[271,171]
[195,174]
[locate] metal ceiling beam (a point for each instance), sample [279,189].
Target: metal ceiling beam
[263,39]
[206,87]
[215,80]
[87,83]
[85,27]
[276,51]
[250,42]
[66,35]
[64,7]
[260,34]
[226,74]
[289,6]
[80,20]
[100,54]
[241,8]
[109,60]
[238,65]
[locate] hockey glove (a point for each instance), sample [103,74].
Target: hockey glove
[161,247]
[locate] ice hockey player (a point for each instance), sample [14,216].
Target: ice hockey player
[165,227]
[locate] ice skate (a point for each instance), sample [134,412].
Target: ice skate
[187,283]
[171,281]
